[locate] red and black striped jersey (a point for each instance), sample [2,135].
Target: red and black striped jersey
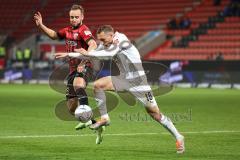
[75,38]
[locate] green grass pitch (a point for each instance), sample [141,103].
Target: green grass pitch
[208,118]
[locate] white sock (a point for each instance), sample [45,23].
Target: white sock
[167,123]
[105,116]
[101,103]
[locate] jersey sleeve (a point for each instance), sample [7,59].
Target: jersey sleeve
[119,38]
[99,54]
[105,53]
[61,33]
[86,34]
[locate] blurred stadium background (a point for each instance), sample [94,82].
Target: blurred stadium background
[198,40]
[201,37]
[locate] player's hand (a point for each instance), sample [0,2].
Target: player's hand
[82,51]
[38,19]
[60,55]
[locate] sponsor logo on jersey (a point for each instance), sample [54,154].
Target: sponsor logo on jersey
[71,43]
[75,36]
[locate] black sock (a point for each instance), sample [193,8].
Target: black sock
[83,99]
[82,96]
[93,121]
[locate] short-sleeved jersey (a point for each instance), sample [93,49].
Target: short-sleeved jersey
[75,38]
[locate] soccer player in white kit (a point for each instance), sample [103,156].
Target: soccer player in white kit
[132,78]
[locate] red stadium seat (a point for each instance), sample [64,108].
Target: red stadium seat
[225,38]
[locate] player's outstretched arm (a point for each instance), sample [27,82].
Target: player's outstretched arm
[98,54]
[60,55]
[49,32]
[70,54]
[79,53]
[82,53]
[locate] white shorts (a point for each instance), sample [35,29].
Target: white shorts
[138,87]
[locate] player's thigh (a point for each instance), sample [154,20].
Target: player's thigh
[79,82]
[148,101]
[72,104]
[143,93]
[104,83]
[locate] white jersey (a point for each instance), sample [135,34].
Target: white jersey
[124,54]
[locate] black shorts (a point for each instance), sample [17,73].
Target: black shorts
[86,75]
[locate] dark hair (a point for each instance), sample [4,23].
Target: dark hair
[76,7]
[105,29]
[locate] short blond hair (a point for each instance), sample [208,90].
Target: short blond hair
[76,7]
[105,29]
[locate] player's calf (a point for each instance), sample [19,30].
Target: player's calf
[167,123]
[72,104]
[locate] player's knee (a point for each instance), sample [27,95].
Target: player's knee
[154,112]
[97,85]
[79,85]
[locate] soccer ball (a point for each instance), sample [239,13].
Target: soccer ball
[83,113]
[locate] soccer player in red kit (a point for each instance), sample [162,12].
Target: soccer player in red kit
[77,35]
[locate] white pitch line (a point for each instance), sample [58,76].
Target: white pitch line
[45,136]
[209,132]
[114,134]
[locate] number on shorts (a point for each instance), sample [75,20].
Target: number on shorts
[149,96]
